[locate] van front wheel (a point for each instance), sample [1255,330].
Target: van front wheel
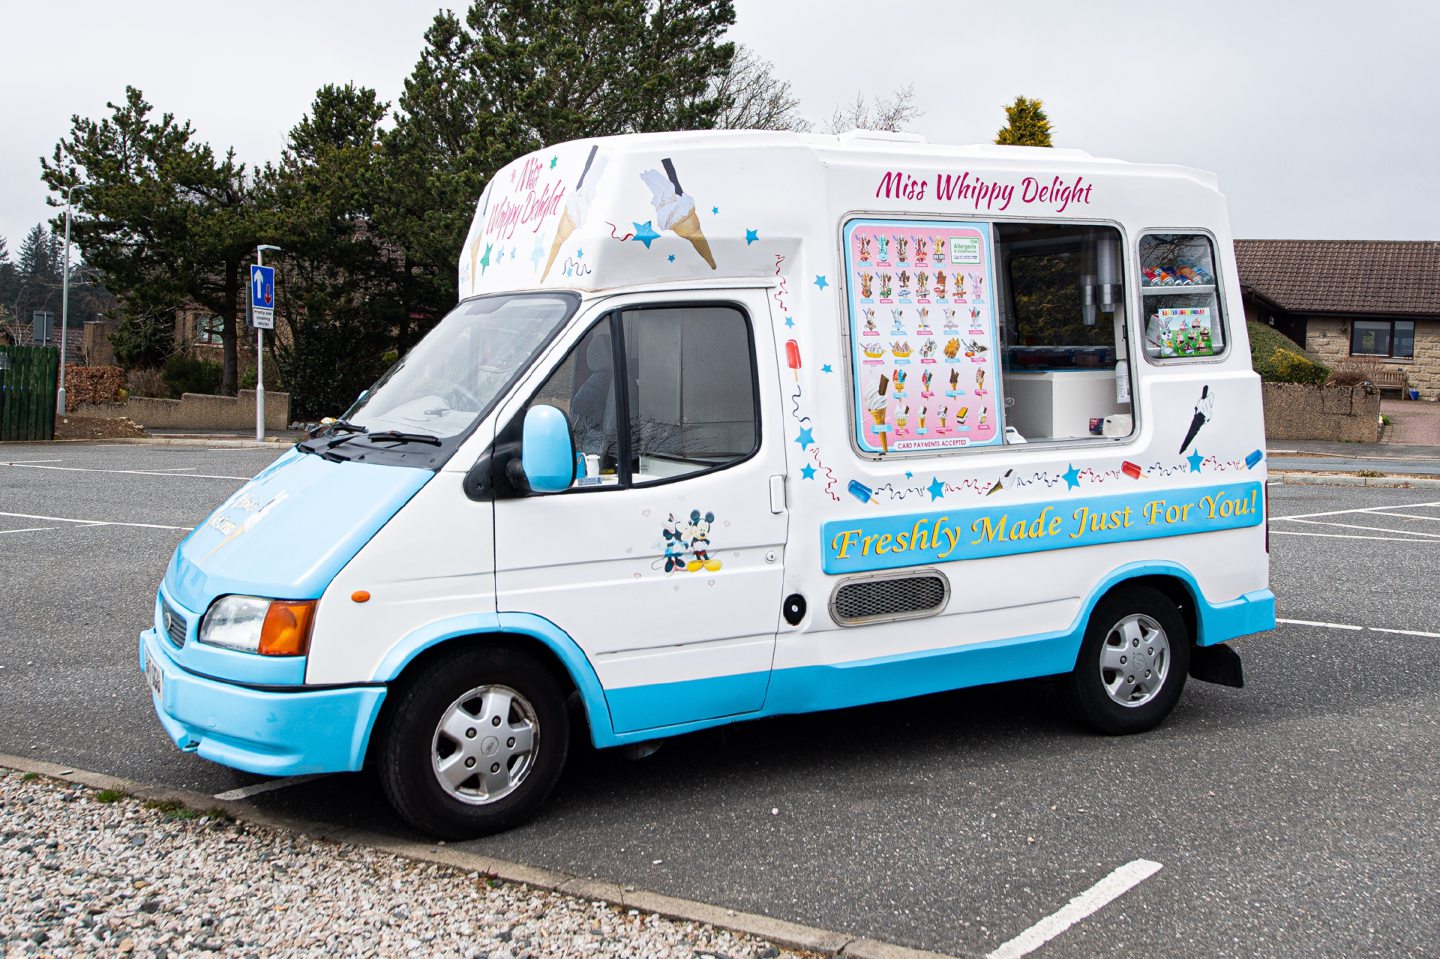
[474,743]
[1132,664]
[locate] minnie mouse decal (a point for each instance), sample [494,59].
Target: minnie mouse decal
[693,537]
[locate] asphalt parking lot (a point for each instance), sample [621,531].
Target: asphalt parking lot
[1295,817]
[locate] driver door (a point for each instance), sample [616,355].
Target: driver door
[667,567]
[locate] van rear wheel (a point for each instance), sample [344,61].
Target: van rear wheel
[474,743]
[1132,663]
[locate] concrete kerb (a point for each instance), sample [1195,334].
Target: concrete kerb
[219,442]
[1307,478]
[826,942]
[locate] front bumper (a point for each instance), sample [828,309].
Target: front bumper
[276,733]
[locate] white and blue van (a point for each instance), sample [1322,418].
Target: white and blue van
[732,425]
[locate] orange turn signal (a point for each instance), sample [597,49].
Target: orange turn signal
[360,596]
[286,630]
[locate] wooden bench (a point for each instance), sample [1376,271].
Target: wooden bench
[1392,380]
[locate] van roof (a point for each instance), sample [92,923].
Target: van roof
[665,207]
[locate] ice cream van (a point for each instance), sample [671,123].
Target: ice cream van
[736,425]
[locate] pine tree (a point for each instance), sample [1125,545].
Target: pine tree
[1026,124]
[516,75]
[164,220]
[340,303]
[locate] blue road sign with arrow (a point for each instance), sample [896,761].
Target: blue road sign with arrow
[262,297]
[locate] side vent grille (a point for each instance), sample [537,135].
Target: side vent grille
[889,596]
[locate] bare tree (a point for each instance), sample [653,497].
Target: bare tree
[755,98]
[892,115]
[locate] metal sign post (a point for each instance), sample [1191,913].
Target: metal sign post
[262,316]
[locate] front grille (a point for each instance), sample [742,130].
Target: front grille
[889,596]
[174,623]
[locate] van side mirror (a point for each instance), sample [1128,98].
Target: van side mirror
[547,453]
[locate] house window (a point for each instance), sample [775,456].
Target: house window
[1389,338]
[208,329]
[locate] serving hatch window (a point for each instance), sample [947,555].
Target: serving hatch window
[1066,369]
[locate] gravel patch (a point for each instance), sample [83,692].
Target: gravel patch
[85,873]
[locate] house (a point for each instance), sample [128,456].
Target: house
[1367,301]
[44,329]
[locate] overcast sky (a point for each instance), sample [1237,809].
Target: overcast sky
[1320,118]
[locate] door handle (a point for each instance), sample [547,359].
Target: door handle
[777,494]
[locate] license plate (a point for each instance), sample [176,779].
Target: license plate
[155,677]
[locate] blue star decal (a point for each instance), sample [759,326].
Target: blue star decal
[1071,477]
[537,254]
[936,489]
[645,233]
[715,210]
[1195,460]
[790,322]
[512,252]
[808,472]
[671,258]
[580,254]
[500,256]
[485,260]
[826,369]
[554,160]
[806,437]
[821,282]
[909,475]
[751,236]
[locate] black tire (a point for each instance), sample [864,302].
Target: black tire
[411,742]
[1088,687]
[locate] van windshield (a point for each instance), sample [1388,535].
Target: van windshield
[456,373]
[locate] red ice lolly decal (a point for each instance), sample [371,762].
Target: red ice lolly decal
[792,357]
[1130,469]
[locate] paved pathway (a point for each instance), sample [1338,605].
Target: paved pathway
[1411,423]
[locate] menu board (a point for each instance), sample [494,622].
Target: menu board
[922,335]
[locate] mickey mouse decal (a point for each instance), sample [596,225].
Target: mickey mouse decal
[693,537]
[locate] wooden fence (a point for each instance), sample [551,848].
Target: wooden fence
[28,382]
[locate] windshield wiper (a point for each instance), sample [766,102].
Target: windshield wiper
[395,436]
[339,426]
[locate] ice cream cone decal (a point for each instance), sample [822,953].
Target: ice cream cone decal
[577,207]
[674,211]
[562,233]
[876,404]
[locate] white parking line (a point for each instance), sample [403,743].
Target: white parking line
[28,462]
[270,785]
[96,522]
[28,529]
[1404,632]
[1372,529]
[1363,509]
[1358,629]
[1379,539]
[1090,901]
[1308,622]
[87,469]
[1406,515]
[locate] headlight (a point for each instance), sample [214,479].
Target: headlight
[252,624]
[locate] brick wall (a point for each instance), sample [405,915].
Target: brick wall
[1299,411]
[1329,339]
